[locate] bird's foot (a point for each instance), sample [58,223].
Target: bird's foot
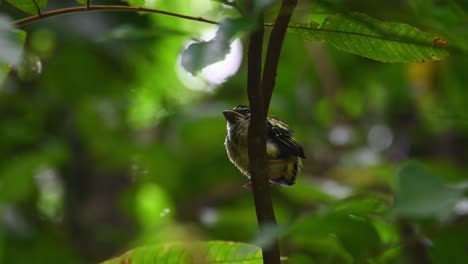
[247,185]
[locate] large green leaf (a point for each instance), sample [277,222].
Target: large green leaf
[450,245]
[420,194]
[28,6]
[343,227]
[197,252]
[203,53]
[362,206]
[377,40]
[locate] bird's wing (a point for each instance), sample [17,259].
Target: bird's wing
[280,133]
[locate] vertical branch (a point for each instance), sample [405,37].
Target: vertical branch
[259,92]
[257,144]
[275,43]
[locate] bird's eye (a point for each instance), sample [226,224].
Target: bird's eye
[242,109]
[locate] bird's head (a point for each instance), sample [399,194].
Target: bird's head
[238,114]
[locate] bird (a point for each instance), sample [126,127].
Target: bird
[283,153]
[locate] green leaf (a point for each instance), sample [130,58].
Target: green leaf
[196,252]
[232,4]
[262,5]
[11,46]
[362,206]
[420,194]
[450,245]
[28,6]
[152,205]
[382,41]
[17,180]
[203,53]
[132,2]
[342,227]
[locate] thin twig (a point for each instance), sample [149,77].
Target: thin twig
[37,8]
[86,8]
[275,43]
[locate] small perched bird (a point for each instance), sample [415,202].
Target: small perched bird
[283,152]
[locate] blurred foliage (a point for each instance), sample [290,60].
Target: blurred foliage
[108,144]
[420,194]
[11,41]
[211,252]
[30,7]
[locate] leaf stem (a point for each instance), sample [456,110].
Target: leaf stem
[38,9]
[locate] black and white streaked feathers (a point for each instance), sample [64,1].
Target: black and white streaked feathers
[279,132]
[283,152]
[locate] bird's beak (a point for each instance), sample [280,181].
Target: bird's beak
[231,116]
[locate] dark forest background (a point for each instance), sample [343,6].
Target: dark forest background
[107,144]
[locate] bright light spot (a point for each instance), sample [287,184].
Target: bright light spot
[366,157]
[227,6]
[51,192]
[361,157]
[37,67]
[217,73]
[151,3]
[340,135]
[152,205]
[30,68]
[380,137]
[461,207]
[214,74]
[335,189]
[164,212]
[208,216]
